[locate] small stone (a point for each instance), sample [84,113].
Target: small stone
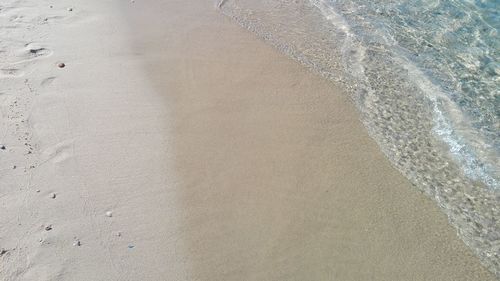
[70,9]
[53,195]
[14,167]
[2,147]
[77,243]
[109,214]
[119,234]
[131,246]
[61,65]
[38,190]
[48,227]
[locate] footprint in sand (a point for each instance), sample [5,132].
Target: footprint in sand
[59,152]
[31,51]
[35,51]
[47,81]
[11,73]
[21,59]
[16,18]
[50,19]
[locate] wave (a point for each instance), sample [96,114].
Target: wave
[425,78]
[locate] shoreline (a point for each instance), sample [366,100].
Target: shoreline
[397,118]
[181,147]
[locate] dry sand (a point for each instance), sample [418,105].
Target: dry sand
[174,145]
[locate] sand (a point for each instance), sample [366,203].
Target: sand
[174,145]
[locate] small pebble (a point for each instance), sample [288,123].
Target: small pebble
[131,246]
[53,195]
[61,65]
[119,234]
[77,243]
[14,167]
[70,9]
[2,147]
[109,214]
[48,227]
[38,190]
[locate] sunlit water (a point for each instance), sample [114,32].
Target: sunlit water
[425,76]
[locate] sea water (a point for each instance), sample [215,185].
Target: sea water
[425,76]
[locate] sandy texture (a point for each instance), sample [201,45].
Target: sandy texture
[174,145]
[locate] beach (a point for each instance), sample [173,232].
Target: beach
[159,140]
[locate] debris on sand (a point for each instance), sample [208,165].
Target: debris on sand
[109,214]
[53,195]
[3,252]
[77,242]
[61,65]
[2,147]
[70,9]
[48,227]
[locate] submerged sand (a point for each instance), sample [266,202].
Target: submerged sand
[180,147]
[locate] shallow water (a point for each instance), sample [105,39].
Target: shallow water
[425,76]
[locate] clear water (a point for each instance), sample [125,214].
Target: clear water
[425,75]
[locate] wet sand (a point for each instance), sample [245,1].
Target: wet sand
[181,147]
[278,178]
